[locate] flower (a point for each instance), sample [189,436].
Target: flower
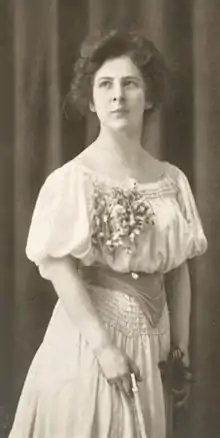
[119,216]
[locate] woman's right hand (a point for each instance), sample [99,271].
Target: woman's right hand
[117,368]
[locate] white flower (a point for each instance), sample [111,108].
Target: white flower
[119,216]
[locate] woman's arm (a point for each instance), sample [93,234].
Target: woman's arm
[75,298]
[71,290]
[179,302]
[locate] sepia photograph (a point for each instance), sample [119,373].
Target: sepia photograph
[109,219]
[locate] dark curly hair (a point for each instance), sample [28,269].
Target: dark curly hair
[103,46]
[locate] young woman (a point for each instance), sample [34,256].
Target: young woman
[109,229]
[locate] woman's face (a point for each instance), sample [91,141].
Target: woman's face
[119,95]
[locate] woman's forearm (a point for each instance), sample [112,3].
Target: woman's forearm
[76,301]
[179,301]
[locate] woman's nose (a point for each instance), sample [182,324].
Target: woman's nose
[118,92]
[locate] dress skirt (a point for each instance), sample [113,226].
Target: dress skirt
[65,394]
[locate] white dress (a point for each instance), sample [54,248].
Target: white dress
[153,228]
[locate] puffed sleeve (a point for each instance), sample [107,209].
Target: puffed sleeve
[61,221]
[197,242]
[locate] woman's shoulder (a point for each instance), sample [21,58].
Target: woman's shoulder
[63,170]
[68,181]
[77,166]
[179,177]
[164,167]
[65,173]
[174,170]
[155,169]
[89,158]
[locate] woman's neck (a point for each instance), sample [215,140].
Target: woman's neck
[122,146]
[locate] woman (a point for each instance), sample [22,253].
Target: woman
[108,230]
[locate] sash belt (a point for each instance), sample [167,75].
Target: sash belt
[147,289]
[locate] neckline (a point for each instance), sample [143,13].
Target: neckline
[130,182]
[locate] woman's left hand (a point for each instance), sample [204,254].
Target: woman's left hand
[177,378]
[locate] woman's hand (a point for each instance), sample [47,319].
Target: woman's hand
[117,368]
[177,377]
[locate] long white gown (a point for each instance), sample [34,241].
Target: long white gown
[65,394]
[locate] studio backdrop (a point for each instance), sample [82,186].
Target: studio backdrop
[39,44]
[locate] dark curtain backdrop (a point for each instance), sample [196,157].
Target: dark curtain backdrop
[39,42]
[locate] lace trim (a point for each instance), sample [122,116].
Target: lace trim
[166,183]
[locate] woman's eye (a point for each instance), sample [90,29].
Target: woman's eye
[130,83]
[105,84]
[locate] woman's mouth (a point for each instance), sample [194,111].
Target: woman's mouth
[119,111]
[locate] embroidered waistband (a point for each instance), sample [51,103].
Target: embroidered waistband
[147,289]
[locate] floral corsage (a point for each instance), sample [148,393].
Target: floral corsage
[119,217]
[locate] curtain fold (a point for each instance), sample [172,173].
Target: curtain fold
[6,203]
[37,151]
[206,327]
[40,42]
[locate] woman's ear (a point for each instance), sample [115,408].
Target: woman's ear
[92,107]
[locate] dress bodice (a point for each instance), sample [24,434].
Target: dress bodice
[130,226]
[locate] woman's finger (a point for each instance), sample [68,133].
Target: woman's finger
[134,369]
[123,384]
[126,381]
